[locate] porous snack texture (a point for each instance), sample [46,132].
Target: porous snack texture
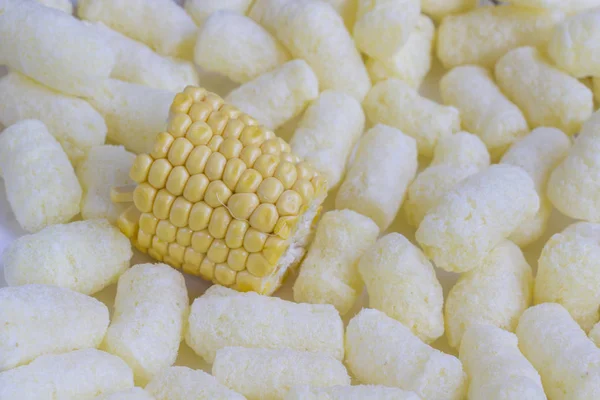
[357,392]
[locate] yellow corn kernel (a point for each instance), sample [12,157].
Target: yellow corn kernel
[305,189]
[231,148]
[162,144]
[246,282]
[128,221]
[215,143]
[155,254]
[218,251]
[196,161]
[233,171]
[230,111]
[217,122]
[148,223]
[254,240]
[177,252]
[159,246]
[144,239]
[271,146]
[253,135]
[274,248]
[242,205]
[171,261]
[207,269]
[140,168]
[266,165]
[143,197]
[179,124]
[192,257]
[217,194]
[196,93]
[200,216]
[285,226]
[214,101]
[264,218]
[166,231]
[199,133]
[269,190]
[190,269]
[286,173]
[235,233]
[248,120]
[159,172]
[162,204]
[177,180]
[258,265]
[122,194]
[201,241]
[237,259]
[195,188]
[249,155]
[180,150]
[305,171]
[184,236]
[224,275]
[215,166]
[248,182]
[320,185]
[233,129]
[182,103]
[180,212]
[200,112]
[219,222]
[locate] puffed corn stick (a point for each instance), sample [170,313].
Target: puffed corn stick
[277,96]
[571,6]
[385,158]
[568,362]
[62,5]
[129,394]
[495,293]
[39,319]
[402,283]
[395,103]
[484,109]
[80,374]
[496,368]
[476,215]
[237,47]
[382,351]
[134,114]
[313,31]
[161,24]
[268,374]
[437,9]
[182,383]
[568,272]
[40,182]
[346,9]
[483,35]
[383,26]
[223,317]
[151,308]
[83,256]
[574,186]
[546,95]
[327,133]
[73,122]
[357,392]
[412,62]
[200,10]
[455,158]
[103,168]
[329,273]
[53,48]
[538,154]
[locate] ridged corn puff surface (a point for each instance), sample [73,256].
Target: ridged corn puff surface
[484,109]
[237,47]
[268,374]
[397,104]
[200,10]
[182,383]
[496,367]
[567,361]
[41,185]
[382,351]
[312,30]
[72,121]
[476,215]
[384,165]
[151,308]
[329,273]
[327,133]
[129,394]
[547,95]
[80,374]
[37,319]
[402,283]
[538,154]
[223,317]
[412,62]
[437,9]
[277,96]
[495,293]
[483,35]
[357,392]
[161,24]
[83,256]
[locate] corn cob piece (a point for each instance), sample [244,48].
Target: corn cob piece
[80,374]
[437,9]
[395,103]
[357,392]
[161,24]
[223,317]
[483,35]
[327,133]
[237,47]
[346,9]
[495,293]
[277,96]
[53,48]
[134,114]
[39,319]
[313,31]
[412,62]
[62,5]
[129,394]
[221,197]
[151,307]
[382,351]
[476,215]
[329,273]
[266,374]
[384,165]
[200,10]
[402,283]
[496,367]
[484,109]
[547,95]
[41,185]
[568,362]
[538,154]
[182,383]
[83,256]
[72,121]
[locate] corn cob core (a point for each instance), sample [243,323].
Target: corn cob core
[221,197]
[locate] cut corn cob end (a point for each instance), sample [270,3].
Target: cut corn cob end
[221,197]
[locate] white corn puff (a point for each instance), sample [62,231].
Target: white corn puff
[200,10]
[437,9]
[62,5]
[129,394]
[569,6]
[346,9]
[357,392]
